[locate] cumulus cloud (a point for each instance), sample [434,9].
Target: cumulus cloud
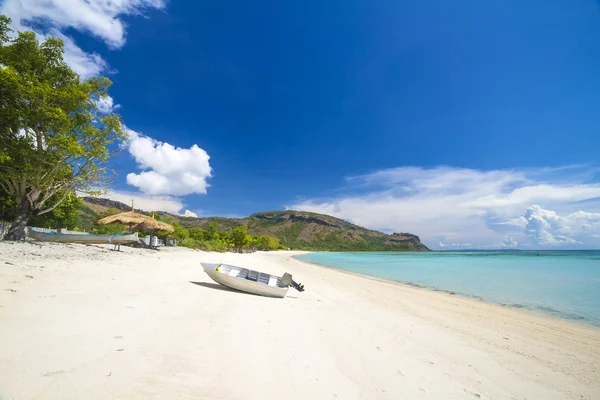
[106,105]
[166,169]
[509,242]
[546,227]
[99,18]
[189,213]
[458,205]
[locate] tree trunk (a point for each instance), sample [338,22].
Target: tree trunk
[17,228]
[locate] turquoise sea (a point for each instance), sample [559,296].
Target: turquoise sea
[565,284]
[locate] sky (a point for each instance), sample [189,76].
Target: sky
[473,124]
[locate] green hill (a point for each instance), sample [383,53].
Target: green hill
[299,230]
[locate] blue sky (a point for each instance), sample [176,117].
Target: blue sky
[469,123]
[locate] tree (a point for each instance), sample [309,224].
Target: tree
[52,136]
[66,215]
[196,233]
[266,242]
[180,232]
[211,232]
[239,237]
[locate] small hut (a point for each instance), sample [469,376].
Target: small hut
[135,220]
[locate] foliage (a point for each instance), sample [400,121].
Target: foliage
[109,212]
[52,137]
[196,233]
[240,238]
[211,232]
[110,229]
[190,243]
[180,232]
[293,229]
[266,242]
[65,215]
[214,245]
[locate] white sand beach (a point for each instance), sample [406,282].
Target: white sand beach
[85,322]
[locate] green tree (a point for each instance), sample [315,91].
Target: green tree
[211,232]
[240,238]
[180,232]
[52,136]
[65,215]
[196,233]
[266,242]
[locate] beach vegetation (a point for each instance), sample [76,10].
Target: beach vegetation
[210,238]
[109,229]
[240,238]
[180,233]
[54,141]
[65,215]
[296,230]
[266,242]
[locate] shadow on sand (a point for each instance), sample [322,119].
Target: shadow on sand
[220,287]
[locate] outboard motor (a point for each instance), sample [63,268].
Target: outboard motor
[287,280]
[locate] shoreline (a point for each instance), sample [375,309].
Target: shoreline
[532,311]
[87,322]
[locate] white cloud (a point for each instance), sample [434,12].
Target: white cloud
[455,245]
[509,242]
[189,213]
[459,205]
[519,222]
[106,105]
[100,18]
[168,204]
[546,228]
[167,169]
[85,64]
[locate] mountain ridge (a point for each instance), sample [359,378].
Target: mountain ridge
[299,230]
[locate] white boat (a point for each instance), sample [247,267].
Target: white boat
[251,281]
[81,238]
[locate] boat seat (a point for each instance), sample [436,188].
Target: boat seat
[233,272]
[252,276]
[263,278]
[273,280]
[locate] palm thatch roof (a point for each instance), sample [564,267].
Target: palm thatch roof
[141,221]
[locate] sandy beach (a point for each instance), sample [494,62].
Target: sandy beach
[85,322]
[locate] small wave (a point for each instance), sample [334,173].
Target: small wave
[546,310]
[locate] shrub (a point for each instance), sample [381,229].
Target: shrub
[213,245]
[190,243]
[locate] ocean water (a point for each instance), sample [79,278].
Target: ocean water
[564,284]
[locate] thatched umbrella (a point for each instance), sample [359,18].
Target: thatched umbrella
[137,220]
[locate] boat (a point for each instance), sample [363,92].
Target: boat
[85,238]
[250,281]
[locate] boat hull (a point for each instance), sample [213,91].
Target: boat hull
[58,237]
[243,285]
